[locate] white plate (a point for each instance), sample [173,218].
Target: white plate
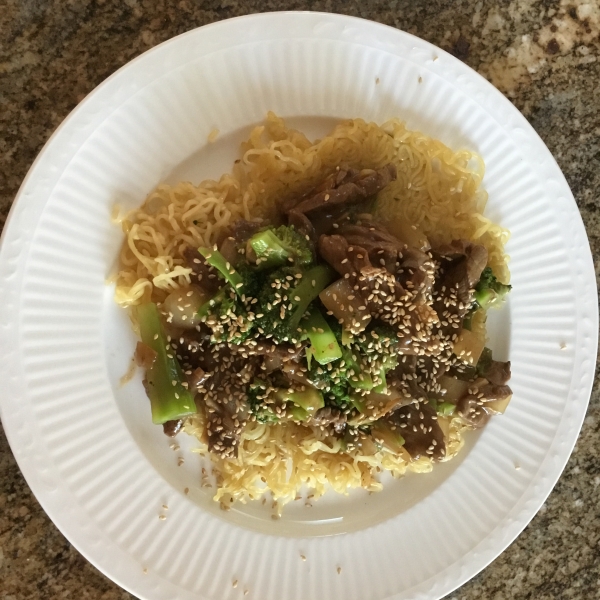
[86,446]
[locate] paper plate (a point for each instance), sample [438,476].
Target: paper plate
[85,443]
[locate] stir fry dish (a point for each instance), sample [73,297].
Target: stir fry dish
[322,336]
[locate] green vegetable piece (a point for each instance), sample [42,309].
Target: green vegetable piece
[277,246]
[389,438]
[309,399]
[298,413]
[358,403]
[313,282]
[489,290]
[484,362]
[324,346]
[446,409]
[211,304]
[364,381]
[169,399]
[218,261]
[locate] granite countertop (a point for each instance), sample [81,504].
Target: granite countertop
[543,54]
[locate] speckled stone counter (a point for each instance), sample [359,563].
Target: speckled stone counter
[543,54]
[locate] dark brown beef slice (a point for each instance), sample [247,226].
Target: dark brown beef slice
[345,259]
[418,440]
[172,428]
[497,372]
[303,225]
[460,267]
[472,407]
[351,190]
[330,415]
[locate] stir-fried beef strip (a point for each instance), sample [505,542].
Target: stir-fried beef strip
[330,416]
[220,381]
[460,266]
[347,189]
[417,424]
[472,411]
[303,224]
[497,372]
[227,407]
[243,230]
[172,428]
[384,297]
[412,267]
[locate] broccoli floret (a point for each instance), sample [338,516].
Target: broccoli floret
[332,382]
[257,392]
[277,246]
[226,313]
[489,290]
[285,297]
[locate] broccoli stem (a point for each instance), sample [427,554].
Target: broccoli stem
[446,409]
[208,306]
[215,259]
[489,290]
[169,399]
[269,249]
[313,282]
[324,346]
[364,381]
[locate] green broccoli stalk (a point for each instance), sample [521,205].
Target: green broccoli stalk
[274,247]
[169,398]
[356,379]
[324,346]
[257,393]
[313,282]
[215,259]
[489,290]
[211,305]
[285,297]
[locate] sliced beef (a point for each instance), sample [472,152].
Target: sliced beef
[330,416]
[243,230]
[490,393]
[303,225]
[475,257]
[193,349]
[472,407]
[417,423]
[497,372]
[343,257]
[346,188]
[460,266]
[226,404]
[472,411]
[172,428]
